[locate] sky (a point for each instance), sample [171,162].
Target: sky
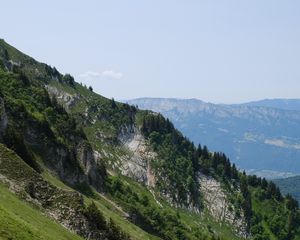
[219,51]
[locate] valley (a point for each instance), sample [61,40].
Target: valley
[260,137]
[88,167]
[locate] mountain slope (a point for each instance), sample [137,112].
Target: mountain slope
[19,220]
[104,169]
[254,137]
[290,185]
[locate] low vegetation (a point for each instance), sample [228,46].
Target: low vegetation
[51,164]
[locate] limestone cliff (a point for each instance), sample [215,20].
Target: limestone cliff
[137,164]
[218,205]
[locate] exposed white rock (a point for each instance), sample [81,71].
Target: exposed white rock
[67,99]
[17,64]
[137,164]
[218,205]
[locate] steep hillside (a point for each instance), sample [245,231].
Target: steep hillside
[106,170]
[241,131]
[290,186]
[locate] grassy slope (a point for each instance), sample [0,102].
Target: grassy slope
[108,208]
[20,220]
[202,223]
[192,221]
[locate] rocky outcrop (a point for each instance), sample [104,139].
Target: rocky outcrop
[66,207]
[219,207]
[74,165]
[92,165]
[90,162]
[67,99]
[137,164]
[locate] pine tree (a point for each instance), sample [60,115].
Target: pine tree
[113,103]
[234,172]
[205,153]
[95,216]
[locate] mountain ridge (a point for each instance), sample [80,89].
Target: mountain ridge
[240,130]
[281,103]
[103,169]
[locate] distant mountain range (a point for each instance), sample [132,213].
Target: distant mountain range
[262,137]
[287,104]
[290,185]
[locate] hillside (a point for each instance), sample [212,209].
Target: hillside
[290,186]
[242,131]
[86,165]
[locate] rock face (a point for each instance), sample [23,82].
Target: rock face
[137,164]
[67,99]
[219,207]
[91,164]
[66,207]
[75,164]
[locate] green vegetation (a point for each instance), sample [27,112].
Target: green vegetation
[156,216]
[147,214]
[180,161]
[54,126]
[178,164]
[38,125]
[273,216]
[19,220]
[49,196]
[108,208]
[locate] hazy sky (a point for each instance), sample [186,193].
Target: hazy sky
[219,51]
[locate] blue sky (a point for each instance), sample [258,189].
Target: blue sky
[218,51]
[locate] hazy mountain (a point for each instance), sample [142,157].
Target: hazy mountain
[290,185]
[287,104]
[254,137]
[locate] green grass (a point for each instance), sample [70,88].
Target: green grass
[203,222]
[108,210]
[20,220]
[55,181]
